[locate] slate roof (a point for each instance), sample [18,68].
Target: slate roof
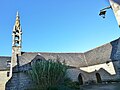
[3,62]
[71,59]
[103,54]
[99,55]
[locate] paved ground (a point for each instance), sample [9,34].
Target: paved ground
[113,86]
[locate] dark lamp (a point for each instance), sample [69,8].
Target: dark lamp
[102,13]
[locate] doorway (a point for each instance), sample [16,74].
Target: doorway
[80,79]
[98,77]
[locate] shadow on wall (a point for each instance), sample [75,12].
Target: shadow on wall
[20,80]
[99,76]
[115,55]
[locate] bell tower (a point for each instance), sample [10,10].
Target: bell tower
[16,41]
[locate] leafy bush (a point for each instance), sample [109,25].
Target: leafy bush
[47,74]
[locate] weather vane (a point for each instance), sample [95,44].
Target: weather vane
[115,6]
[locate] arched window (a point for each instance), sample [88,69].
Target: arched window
[17,31]
[80,79]
[98,77]
[16,37]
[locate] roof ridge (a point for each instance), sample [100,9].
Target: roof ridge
[5,56]
[57,52]
[102,45]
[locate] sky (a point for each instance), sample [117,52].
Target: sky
[57,25]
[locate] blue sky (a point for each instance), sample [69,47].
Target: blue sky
[57,25]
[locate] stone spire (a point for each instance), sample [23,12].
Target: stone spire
[16,41]
[17,32]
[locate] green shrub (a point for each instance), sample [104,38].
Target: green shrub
[71,84]
[47,74]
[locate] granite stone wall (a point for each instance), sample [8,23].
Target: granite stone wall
[19,81]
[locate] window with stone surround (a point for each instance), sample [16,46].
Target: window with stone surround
[8,74]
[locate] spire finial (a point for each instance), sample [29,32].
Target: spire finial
[17,13]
